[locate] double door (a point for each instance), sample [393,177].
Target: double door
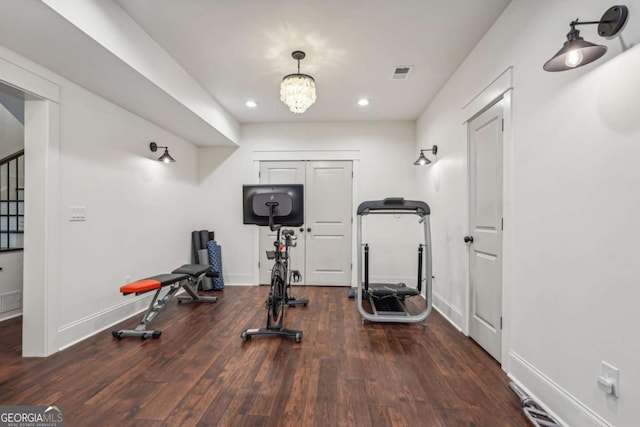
[323,247]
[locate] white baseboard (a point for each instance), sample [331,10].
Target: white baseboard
[10,304]
[10,315]
[82,329]
[558,402]
[238,280]
[449,311]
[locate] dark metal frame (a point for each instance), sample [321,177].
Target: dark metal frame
[9,161]
[279,297]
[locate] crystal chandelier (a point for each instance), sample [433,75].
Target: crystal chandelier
[298,91]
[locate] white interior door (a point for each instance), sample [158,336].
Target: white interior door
[485,216]
[323,251]
[328,222]
[281,173]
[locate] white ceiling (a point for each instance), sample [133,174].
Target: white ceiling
[240,50]
[190,65]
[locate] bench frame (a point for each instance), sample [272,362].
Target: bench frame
[185,280]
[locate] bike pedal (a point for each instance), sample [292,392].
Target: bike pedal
[296,276]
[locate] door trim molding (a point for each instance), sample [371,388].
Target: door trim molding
[302,155]
[41,279]
[501,88]
[309,155]
[488,96]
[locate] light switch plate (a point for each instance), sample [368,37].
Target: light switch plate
[610,375]
[77,213]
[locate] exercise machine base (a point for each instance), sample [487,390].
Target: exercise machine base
[142,333]
[293,301]
[290,333]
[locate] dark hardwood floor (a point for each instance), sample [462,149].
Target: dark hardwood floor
[201,373]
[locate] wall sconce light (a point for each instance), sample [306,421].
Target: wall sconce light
[422,160]
[166,157]
[577,52]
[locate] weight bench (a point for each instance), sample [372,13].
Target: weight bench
[187,277]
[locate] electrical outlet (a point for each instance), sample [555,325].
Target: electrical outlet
[609,379]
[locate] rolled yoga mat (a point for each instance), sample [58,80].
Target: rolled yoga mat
[195,246]
[215,260]
[203,257]
[204,239]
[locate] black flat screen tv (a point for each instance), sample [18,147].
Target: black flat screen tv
[288,200]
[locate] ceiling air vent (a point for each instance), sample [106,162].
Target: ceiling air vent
[401,72]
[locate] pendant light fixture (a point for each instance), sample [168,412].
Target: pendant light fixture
[422,160]
[166,157]
[577,52]
[298,91]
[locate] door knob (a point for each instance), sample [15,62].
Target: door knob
[309,229]
[468,239]
[302,229]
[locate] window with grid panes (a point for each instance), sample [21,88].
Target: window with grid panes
[12,202]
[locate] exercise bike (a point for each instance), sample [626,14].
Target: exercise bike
[293,276]
[279,292]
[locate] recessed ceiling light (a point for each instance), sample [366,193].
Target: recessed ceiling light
[251,103]
[363,101]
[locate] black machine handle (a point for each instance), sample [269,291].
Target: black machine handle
[468,239]
[366,267]
[420,257]
[272,209]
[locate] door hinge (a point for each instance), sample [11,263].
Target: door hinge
[502,125]
[500,322]
[259,174]
[258,264]
[502,223]
[352,266]
[351,174]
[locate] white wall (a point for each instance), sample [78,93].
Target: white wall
[573,298]
[385,152]
[11,130]
[139,212]
[11,141]
[10,284]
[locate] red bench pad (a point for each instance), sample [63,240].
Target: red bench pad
[151,283]
[139,286]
